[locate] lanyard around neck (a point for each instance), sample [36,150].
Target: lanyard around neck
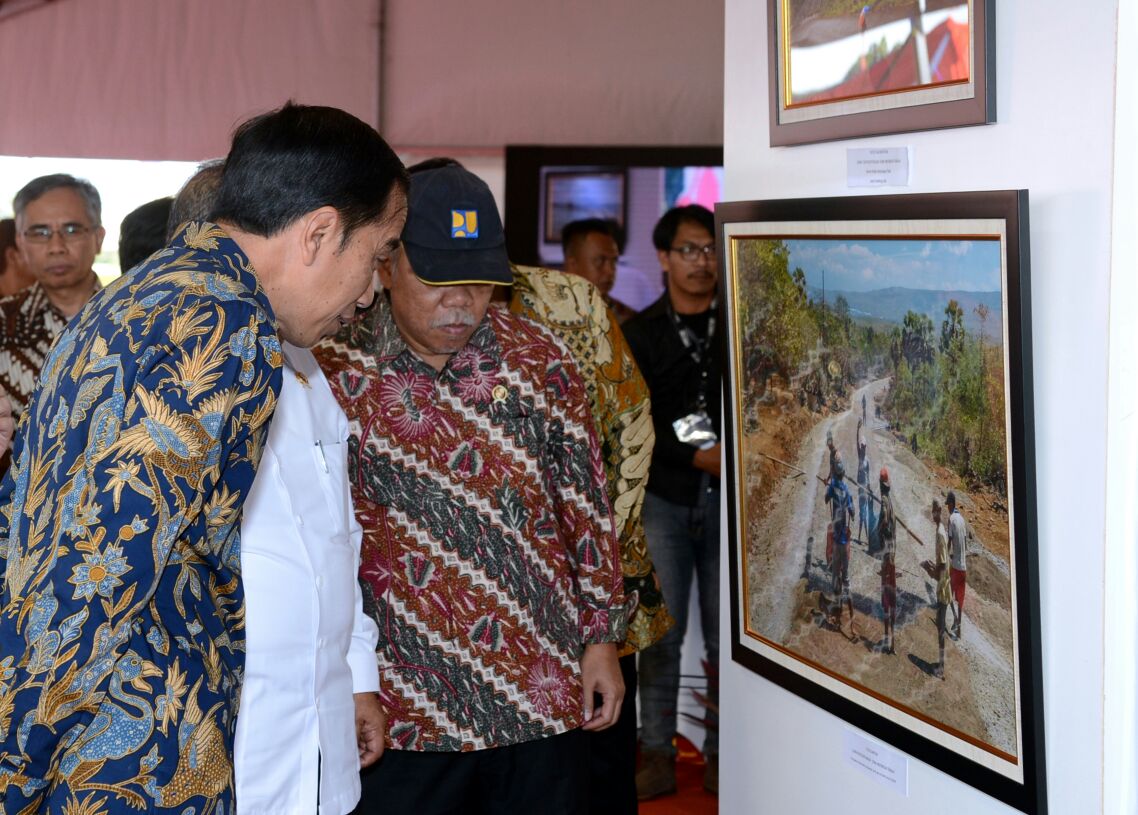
[696,345]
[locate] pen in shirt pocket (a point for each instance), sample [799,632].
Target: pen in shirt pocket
[321,448]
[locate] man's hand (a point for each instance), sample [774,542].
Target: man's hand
[600,673]
[707,460]
[371,724]
[7,422]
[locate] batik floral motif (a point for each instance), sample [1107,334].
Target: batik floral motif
[475,486]
[573,309]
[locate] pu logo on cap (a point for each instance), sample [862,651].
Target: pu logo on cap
[464,223]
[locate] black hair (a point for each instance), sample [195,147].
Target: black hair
[7,241]
[574,232]
[665,230]
[143,232]
[38,187]
[196,199]
[294,160]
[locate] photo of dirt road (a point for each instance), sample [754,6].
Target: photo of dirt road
[786,550]
[832,349]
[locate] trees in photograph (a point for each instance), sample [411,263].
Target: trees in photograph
[947,390]
[949,395]
[775,312]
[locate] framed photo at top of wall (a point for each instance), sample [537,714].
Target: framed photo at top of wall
[881,471]
[840,69]
[572,195]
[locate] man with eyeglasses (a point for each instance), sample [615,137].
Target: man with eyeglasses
[675,345]
[58,235]
[592,248]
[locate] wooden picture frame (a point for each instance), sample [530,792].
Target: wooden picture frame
[899,328]
[571,195]
[845,72]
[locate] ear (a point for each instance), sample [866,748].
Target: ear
[665,261]
[320,232]
[100,233]
[571,264]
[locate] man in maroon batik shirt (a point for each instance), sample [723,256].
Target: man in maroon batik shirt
[489,562]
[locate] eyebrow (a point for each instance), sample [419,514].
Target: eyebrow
[65,223]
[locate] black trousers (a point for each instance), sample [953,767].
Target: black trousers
[612,755]
[548,775]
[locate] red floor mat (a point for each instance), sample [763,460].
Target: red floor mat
[690,797]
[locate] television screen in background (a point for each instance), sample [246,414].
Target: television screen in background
[648,193]
[547,187]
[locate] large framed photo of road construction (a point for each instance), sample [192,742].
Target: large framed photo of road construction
[881,472]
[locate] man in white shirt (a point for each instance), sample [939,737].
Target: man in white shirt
[310,671]
[310,717]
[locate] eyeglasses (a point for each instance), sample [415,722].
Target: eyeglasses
[69,232]
[689,251]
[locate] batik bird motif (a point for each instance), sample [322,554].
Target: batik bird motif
[119,540]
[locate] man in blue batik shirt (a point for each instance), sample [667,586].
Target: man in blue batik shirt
[121,606]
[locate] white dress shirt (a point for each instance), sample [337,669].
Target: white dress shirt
[309,646]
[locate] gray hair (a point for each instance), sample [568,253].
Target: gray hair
[38,187]
[194,202]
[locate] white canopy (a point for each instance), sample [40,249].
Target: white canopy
[169,79]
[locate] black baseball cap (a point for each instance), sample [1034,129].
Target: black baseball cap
[453,233]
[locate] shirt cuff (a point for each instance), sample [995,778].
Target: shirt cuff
[365,671]
[609,624]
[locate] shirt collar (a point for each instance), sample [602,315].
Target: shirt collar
[229,261]
[36,300]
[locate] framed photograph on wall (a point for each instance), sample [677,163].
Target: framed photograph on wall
[840,69]
[572,195]
[881,471]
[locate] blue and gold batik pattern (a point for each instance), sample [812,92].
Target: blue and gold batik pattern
[121,609]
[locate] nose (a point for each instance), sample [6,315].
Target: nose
[457,296]
[364,300]
[55,242]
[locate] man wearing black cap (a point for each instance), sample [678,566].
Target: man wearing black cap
[489,557]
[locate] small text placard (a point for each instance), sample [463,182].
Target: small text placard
[883,765]
[877,166]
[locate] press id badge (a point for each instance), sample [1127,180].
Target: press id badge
[696,429]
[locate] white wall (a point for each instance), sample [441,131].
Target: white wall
[1055,67]
[1120,737]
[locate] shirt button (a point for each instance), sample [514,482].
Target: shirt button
[299,521]
[320,582]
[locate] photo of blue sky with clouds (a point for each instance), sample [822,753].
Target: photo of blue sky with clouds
[932,264]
